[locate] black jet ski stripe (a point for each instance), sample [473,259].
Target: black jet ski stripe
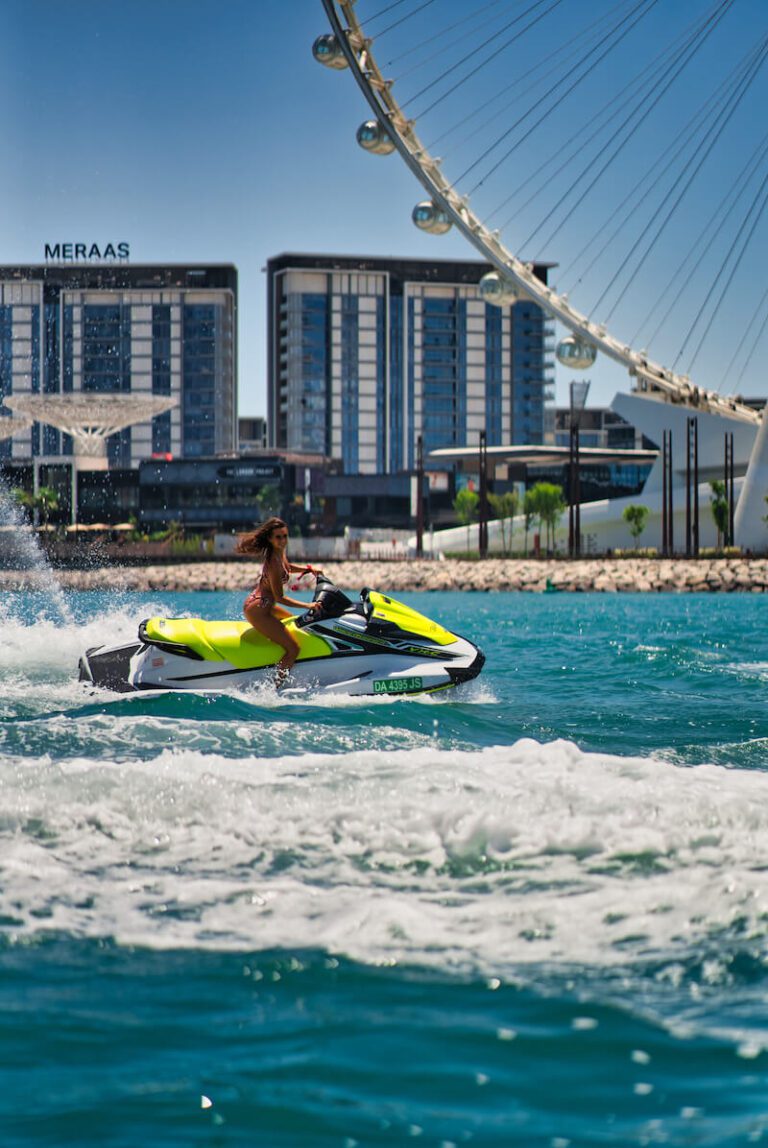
[382,645]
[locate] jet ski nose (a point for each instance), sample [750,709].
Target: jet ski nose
[467,673]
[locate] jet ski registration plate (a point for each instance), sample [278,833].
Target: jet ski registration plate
[396,685]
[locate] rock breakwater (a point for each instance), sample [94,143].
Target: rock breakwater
[604,575]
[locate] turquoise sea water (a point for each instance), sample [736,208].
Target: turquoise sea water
[529,912]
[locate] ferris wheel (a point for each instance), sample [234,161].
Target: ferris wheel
[441,52]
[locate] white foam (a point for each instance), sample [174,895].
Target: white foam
[758,670]
[490,860]
[47,646]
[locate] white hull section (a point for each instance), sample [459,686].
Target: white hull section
[355,676]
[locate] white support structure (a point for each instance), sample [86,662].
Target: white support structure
[90,418]
[749,521]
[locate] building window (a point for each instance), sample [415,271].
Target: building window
[161,375]
[350,384]
[51,360]
[6,353]
[396,383]
[444,372]
[106,347]
[493,374]
[314,432]
[199,369]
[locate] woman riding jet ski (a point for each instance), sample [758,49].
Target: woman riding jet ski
[373,646]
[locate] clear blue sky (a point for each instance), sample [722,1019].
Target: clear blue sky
[200,131]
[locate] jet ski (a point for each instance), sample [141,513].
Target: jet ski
[373,646]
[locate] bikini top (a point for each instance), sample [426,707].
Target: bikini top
[264,583]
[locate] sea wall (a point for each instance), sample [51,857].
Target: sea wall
[588,574]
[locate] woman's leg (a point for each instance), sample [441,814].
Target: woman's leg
[265,622]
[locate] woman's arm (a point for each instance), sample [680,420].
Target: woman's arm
[306,569]
[276,586]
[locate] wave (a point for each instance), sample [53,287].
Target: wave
[489,860]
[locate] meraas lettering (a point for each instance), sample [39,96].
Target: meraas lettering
[73,251]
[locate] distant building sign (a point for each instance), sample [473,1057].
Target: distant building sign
[72,252]
[251,470]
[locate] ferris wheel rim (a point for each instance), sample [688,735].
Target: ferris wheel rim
[356,47]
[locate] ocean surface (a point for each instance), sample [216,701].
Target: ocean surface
[532,911]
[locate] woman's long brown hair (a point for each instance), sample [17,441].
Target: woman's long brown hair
[258,541]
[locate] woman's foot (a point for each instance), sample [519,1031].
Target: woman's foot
[282,674]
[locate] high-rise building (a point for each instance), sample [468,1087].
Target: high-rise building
[366,354]
[123,329]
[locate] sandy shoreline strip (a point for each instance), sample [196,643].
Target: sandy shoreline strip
[587,574]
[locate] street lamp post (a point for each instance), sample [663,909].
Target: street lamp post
[420,497]
[579,393]
[728,541]
[482,526]
[692,496]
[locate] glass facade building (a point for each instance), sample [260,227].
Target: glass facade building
[120,328]
[367,354]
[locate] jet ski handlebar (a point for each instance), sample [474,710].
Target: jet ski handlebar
[333,602]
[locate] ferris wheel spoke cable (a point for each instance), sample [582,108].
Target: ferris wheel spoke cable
[654,94]
[721,216]
[587,68]
[403,19]
[704,239]
[701,154]
[426,43]
[733,257]
[465,59]
[385,11]
[634,198]
[582,138]
[755,343]
[568,50]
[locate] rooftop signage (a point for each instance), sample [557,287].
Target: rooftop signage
[251,470]
[72,252]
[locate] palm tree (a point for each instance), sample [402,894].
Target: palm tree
[41,505]
[635,517]
[548,504]
[505,506]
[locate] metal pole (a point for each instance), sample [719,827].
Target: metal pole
[727,489]
[577,516]
[695,423]
[419,497]
[482,531]
[571,488]
[688,487]
[664,525]
[731,532]
[670,511]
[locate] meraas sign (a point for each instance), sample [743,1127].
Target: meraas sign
[71,252]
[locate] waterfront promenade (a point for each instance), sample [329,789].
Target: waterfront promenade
[608,575]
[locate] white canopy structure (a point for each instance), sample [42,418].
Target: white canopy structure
[89,418]
[10,426]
